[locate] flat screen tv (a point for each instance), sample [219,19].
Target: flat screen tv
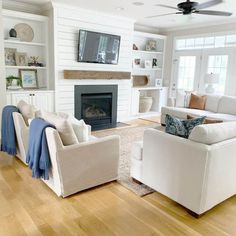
[97,47]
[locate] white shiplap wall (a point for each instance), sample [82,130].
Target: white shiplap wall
[67,23]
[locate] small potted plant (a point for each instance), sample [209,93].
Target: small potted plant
[13,82]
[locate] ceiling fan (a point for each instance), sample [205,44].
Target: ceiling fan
[189,7]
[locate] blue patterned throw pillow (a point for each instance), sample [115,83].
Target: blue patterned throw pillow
[180,127]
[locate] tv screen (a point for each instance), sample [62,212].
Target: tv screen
[97,47]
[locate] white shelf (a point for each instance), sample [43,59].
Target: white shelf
[24,43]
[147,52]
[26,67]
[147,69]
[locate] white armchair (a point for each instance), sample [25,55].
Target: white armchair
[75,167]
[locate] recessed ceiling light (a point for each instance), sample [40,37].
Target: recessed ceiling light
[120,9]
[138,3]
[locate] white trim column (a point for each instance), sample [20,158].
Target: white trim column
[2,70]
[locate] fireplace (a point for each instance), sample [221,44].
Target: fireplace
[96,105]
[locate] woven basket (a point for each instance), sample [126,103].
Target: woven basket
[145,104]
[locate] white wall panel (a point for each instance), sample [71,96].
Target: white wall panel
[68,22]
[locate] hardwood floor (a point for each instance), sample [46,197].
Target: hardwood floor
[29,207]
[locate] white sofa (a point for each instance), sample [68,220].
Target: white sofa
[198,172]
[74,167]
[217,107]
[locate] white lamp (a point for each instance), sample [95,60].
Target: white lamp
[211,79]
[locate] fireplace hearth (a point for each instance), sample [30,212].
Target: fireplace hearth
[96,105]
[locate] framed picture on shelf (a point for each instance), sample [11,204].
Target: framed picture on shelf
[21,59]
[29,78]
[148,64]
[10,56]
[151,45]
[137,63]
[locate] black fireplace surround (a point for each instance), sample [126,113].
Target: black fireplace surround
[96,105]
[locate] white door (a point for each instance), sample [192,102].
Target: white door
[217,62]
[186,72]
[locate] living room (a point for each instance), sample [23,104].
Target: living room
[117,118]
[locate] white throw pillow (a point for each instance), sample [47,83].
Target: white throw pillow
[27,110]
[63,126]
[80,129]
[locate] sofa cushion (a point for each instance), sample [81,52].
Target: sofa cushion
[212,102]
[180,127]
[26,110]
[207,120]
[182,112]
[213,133]
[223,117]
[63,126]
[197,102]
[227,105]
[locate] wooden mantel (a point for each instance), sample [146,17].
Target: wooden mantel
[89,74]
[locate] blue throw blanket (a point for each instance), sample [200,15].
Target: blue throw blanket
[8,134]
[38,155]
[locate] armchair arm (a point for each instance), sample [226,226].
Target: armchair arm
[83,165]
[22,134]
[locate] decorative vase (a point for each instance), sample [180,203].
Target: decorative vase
[12,33]
[145,104]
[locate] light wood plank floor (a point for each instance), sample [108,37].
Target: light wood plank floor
[28,207]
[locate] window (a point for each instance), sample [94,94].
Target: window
[186,72]
[218,41]
[218,65]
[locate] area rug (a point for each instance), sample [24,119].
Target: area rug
[128,135]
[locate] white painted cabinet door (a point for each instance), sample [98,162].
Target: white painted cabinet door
[16,97]
[43,101]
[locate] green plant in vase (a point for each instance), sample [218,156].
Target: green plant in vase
[13,81]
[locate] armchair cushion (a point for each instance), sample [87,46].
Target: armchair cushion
[80,129]
[63,126]
[26,110]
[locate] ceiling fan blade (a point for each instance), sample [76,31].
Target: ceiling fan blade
[166,6]
[208,4]
[168,14]
[214,13]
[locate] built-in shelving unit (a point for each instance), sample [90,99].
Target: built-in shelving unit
[159,94]
[38,47]
[140,40]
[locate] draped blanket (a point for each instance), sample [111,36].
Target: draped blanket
[38,155]
[8,133]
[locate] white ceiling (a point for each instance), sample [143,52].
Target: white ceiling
[148,9]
